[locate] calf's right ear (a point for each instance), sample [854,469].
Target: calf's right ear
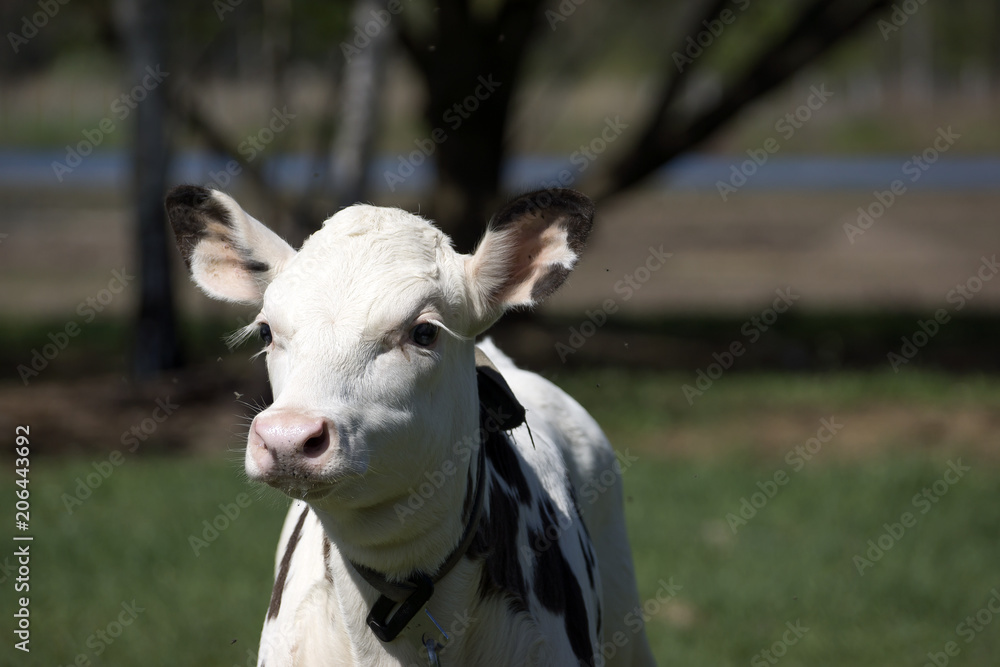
[230,255]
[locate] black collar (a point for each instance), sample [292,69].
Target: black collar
[499,410]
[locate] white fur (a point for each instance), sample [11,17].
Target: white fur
[217,262]
[340,312]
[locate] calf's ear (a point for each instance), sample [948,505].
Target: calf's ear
[230,255]
[526,254]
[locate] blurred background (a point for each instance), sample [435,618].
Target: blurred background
[785,319]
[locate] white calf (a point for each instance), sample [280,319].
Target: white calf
[431,522]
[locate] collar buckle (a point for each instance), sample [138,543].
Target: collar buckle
[388,628]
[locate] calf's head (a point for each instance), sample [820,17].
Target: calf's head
[368,329]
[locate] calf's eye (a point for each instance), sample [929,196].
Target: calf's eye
[424,334]
[264,330]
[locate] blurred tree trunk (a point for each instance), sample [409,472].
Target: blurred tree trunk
[993,61]
[916,53]
[141,25]
[364,71]
[464,47]
[471,65]
[276,46]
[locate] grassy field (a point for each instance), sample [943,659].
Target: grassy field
[795,560]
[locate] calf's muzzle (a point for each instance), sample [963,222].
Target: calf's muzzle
[285,443]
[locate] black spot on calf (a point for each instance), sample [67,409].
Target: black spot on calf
[496,542]
[555,585]
[326,557]
[189,209]
[255,266]
[559,592]
[286,560]
[509,465]
[548,283]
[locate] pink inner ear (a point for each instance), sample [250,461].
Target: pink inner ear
[219,270]
[540,247]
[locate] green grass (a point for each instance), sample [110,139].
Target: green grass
[791,562]
[130,541]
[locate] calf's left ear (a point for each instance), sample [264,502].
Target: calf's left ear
[527,253]
[230,255]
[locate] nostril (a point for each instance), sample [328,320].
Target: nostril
[286,436]
[316,445]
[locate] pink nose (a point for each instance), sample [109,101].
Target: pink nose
[284,442]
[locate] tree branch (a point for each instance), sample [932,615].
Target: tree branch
[818,28]
[675,82]
[516,23]
[187,110]
[416,50]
